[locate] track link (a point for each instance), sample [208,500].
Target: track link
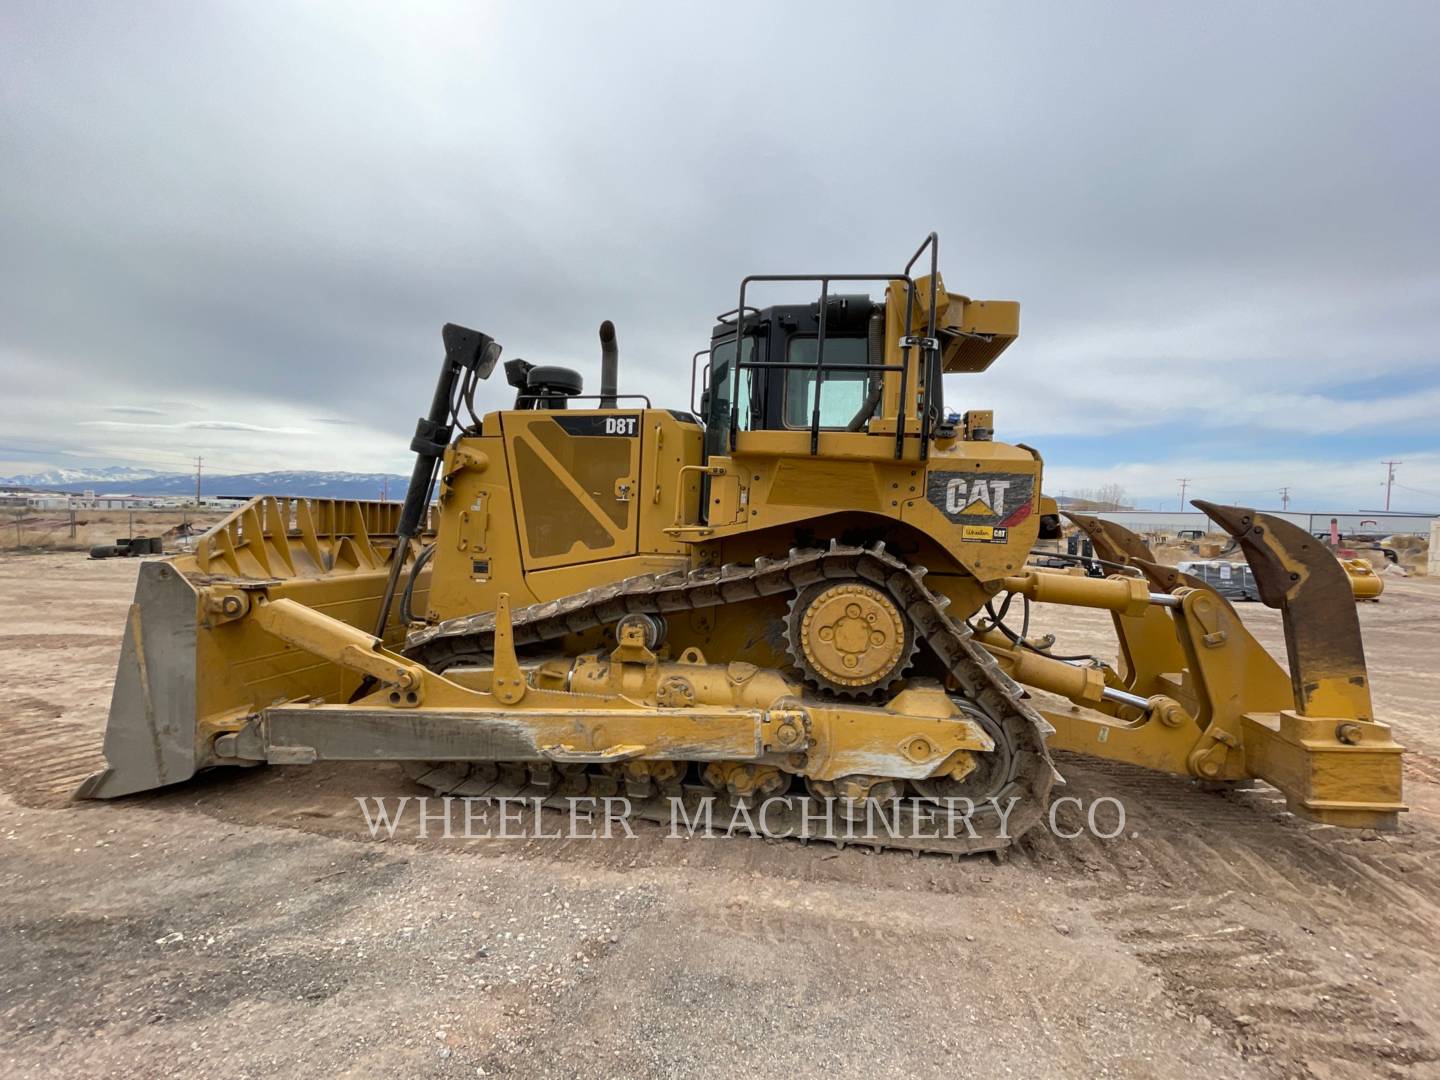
[981,681]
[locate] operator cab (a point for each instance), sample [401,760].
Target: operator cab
[778,370]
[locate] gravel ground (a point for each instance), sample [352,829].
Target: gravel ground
[248,926]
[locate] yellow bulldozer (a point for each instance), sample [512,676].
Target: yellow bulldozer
[801,590]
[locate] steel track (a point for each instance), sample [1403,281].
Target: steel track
[981,682]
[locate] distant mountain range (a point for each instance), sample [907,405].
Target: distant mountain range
[119,480]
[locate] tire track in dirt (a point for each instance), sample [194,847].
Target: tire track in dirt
[1246,838]
[1272,999]
[42,757]
[50,642]
[1269,927]
[1422,766]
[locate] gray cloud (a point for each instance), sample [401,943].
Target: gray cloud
[195,425]
[272,213]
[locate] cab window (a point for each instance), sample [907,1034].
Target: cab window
[842,392]
[722,381]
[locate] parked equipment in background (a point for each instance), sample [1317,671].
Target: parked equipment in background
[1364,581]
[1234,581]
[819,584]
[129,546]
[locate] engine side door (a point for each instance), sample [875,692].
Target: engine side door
[575,475]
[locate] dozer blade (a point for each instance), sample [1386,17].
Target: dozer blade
[150,739]
[191,666]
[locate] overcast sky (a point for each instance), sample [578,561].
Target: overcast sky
[236,229]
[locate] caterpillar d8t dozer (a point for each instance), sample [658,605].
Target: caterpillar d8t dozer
[795,592]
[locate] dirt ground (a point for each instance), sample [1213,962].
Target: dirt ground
[246,925]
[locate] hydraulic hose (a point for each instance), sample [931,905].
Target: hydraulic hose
[464,351]
[407,598]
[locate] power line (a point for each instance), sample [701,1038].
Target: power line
[1184,483]
[1389,478]
[1284,498]
[199,461]
[1419,491]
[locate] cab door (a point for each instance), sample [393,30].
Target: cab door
[575,475]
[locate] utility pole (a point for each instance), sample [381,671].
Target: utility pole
[1389,478]
[199,461]
[1284,498]
[1184,483]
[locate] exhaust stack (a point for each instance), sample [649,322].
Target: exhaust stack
[609,365]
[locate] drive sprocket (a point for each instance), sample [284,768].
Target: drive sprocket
[849,638]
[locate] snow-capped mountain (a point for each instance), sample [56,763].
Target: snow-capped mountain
[118,480]
[108,474]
